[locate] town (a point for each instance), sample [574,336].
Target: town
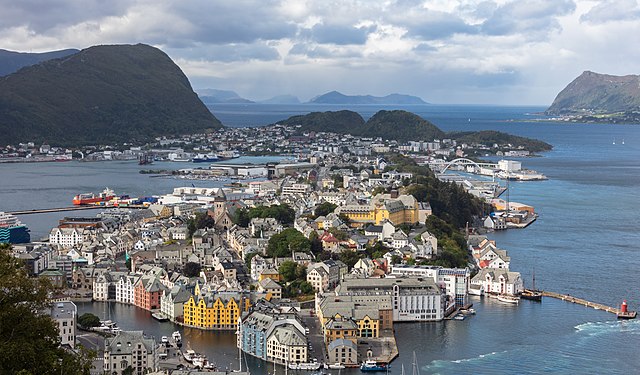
[309,262]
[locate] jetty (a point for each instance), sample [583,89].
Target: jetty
[72,208]
[620,313]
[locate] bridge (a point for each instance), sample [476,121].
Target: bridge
[583,302]
[72,208]
[464,162]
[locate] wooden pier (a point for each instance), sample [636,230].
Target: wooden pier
[580,301]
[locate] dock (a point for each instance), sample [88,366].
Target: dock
[595,305]
[72,208]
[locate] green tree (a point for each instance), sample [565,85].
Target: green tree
[287,241]
[247,260]
[324,209]
[306,288]
[301,272]
[200,221]
[241,217]
[88,320]
[349,257]
[288,270]
[29,342]
[191,269]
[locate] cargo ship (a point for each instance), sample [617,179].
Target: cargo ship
[90,198]
[205,158]
[12,230]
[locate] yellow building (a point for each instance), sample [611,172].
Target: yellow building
[270,273]
[334,312]
[398,209]
[215,311]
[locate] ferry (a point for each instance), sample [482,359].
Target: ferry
[12,230]
[205,158]
[371,366]
[90,198]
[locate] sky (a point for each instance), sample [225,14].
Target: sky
[520,52]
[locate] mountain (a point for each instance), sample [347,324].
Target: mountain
[402,126]
[214,96]
[11,61]
[598,93]
[335,97]
[281,99]
[101,95]
[335,122]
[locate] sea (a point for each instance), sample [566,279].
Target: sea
[585,243]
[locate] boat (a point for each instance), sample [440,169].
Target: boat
[459,317]
[189,355]
[12,230]
[164,340]
[371,365]
[336,366]
[159,316]
[205,158]
[177,338]
[508,299]
[90,198]
[312,366]
[532,294]
[145,159]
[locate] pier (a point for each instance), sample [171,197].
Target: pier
[595,305]
[72,208]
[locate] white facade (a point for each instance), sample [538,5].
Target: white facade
[65,315]
[499,281]
[124,289]
[66,237]
[454,281]
[101,288]
[286,344]
[294,189]
[509,165]
[129,349]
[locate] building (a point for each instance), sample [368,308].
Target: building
[454,281]
[217,311]
[343,351]
[129,352]
[398,209]
[271,288]
[172,302]
[66,238]
[413,299]
[65,314]
[498,281]
[147,292]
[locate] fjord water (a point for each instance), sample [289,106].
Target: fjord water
[585,243]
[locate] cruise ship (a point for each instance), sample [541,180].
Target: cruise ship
[12,230]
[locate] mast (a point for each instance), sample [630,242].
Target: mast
[534,279]
[416,370]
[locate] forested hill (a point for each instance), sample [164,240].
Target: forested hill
[402,126]
[101,95]
[11,61]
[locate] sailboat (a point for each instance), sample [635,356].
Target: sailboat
[532,294]
[614,141]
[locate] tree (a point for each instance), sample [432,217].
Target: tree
[191,269]
[241,217]
[349,257]
[200,221]
[88,320]
[324,209]
[29,342]
[287,241]
[288,270]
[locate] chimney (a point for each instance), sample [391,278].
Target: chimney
[394,194]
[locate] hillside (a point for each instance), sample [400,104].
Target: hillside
[402,126]
[335,97]
[593,93]
[11,61]
[102,94]
[335,122]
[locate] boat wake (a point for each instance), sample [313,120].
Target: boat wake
[609,327]
[439,363]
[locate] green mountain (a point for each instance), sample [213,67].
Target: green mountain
[336,122]
[402,126]
[101,95]
[11,61]
[335,97]
[592,93]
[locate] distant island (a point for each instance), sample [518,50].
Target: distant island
[594,97]
[103,94]
[214,96]
[403,126]
[11,61]
[335,97]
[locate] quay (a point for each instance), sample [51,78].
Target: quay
[72,208]
[621,313]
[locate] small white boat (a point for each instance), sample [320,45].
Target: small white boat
[315,365]
[189,355]
[508,299]
[177,338]
[336,366]
[459,317]
[164,340]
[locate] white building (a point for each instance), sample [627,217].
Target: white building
[66,237]
[172,302]
[124,289]
[499,281]
[286,344]
[65,315]
[296,189]
[509,165]
[454,281]
[129,349]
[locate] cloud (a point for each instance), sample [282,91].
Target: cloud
[338,34]
[612,11]
[533,18]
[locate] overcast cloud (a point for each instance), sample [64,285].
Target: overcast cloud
[445,51]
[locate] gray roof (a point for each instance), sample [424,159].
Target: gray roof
[127,340]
